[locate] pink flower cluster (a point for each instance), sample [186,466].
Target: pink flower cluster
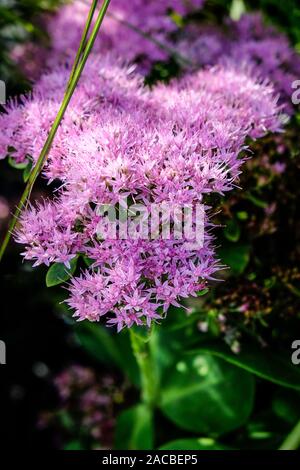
[247,41]
[173,144]
[122,32]
[150,17]
[88,401]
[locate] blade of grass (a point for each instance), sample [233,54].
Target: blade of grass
[47,146]
[181,59]
[83,39]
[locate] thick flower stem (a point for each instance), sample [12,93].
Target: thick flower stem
[149,382]
[81,58]
[292,442]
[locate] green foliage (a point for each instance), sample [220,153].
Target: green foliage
[203,443]
[17,166]
[105,346]
[59,273]
[232,231]
[235,256]
[134,430]
[25,166]
[27,171]
[74,445]
[98,342]
[207,395]
[285,15]
[20,23]
[286,405]
[266,364]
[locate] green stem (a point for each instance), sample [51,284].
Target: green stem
[47,146]
[149,383]
[292,442]
[83,39]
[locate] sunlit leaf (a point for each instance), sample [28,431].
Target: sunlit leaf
[207,395]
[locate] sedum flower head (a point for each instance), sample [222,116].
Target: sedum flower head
[174,144]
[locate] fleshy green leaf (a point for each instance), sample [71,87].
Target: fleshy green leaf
[98,342]
[203,443]
[236,257]
[27,171]
[263,363]
[200,293]
[286,405]
[18,166]
[134,430]
[59,273]
[74,445]
[88,261]
[232,231]
[256,201]
[207,395]
[108,347]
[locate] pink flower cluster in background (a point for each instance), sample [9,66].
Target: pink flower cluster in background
[121,33]
[89,402]
[129,25]
[151,17]
[247,41]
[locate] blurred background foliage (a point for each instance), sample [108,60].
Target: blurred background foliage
[285,15]
[20,22]
[223,373]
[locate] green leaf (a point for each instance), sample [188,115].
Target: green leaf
[88,261]
[177,333]
[66,420]
[286,405]
[203,443]
[236,257]
[200,293]
[270,366]
[74,445]
[256,201]
[207,395]
[27,171]
[134,429]
[242,215]
[98,342]
[17,166]
[108,348]
[59,273]
[232,231]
